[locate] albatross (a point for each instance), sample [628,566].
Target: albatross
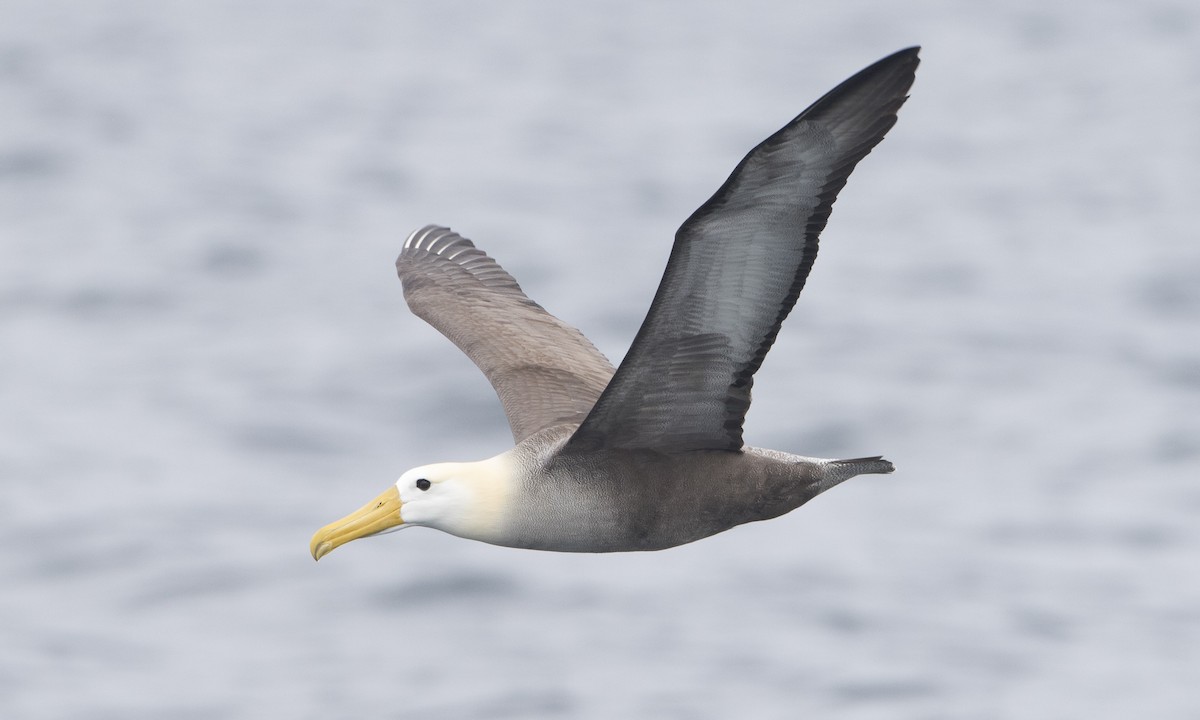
[650,455]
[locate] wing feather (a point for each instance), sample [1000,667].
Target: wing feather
[735,271]
[545,372]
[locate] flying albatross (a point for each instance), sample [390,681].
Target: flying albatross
[648,456]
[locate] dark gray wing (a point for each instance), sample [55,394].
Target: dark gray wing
[545,371]
[736,268]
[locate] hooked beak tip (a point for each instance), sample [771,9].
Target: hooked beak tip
[379,515]
[320,549]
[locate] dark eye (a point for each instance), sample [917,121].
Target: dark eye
[422,484]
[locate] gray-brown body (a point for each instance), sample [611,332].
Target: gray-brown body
[617,501]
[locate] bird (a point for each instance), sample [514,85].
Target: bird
[650,455]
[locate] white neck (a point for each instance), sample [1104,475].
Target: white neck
[483,497]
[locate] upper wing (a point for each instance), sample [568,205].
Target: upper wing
[545,371]
[736,268]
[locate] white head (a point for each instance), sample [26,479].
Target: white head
[470,500]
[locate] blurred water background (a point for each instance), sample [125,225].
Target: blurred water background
[205,355]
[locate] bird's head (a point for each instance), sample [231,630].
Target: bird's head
[465,499]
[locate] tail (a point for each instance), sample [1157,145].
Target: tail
[865,466]
[839,471]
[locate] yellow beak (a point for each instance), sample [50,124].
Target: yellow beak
[380,514]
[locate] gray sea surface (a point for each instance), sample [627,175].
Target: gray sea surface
[205,355]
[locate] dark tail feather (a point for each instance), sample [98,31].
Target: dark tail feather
[838,471]
[866,466]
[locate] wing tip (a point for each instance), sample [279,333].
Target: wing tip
[910,55]
[426,237]
[435,240]
[416,237]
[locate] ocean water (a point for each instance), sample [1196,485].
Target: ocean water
[205,355]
